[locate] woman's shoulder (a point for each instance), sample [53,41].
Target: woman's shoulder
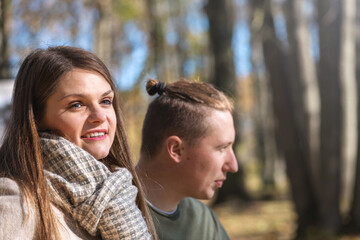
[11,198]
[9,187]
[16,223]
[15,220]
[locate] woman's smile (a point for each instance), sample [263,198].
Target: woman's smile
[95,135]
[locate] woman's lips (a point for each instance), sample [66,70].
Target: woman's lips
[95,135]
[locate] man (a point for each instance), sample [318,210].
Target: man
[186,152]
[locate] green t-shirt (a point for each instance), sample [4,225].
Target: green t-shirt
[192,220]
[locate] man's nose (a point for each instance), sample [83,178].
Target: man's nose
[231,164]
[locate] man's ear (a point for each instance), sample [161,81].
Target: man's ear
[174,148]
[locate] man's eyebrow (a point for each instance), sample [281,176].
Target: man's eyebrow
[83,95]
[228,143]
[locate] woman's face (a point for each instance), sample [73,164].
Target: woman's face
[81,110]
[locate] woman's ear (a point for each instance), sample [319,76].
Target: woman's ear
[174,148]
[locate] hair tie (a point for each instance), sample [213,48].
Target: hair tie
[160,87]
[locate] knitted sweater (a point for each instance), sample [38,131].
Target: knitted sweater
[16,223]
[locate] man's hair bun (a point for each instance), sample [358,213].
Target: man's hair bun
[153,86]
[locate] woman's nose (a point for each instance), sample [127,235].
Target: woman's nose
[97,116]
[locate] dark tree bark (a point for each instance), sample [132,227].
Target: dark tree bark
[103,31]
[329,13]
[181,30]
[348,103]
[221,24]
[263,113]
[156,40]
[304,89]
[4,36]
[354,224]
[288,133]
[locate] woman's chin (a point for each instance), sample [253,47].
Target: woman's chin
[98,154]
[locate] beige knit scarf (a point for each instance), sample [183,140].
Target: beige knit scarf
[102,202]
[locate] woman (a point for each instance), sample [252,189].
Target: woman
[65,165]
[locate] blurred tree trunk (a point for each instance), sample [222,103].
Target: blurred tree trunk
[264,119]
[354,224]
[329,13]
[156,41]
[103,31]
[181,30]
[4,36]
[349,105]
[287,129]
[304,88]
[221,24]
[306,100]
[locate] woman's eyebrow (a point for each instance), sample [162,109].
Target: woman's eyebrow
[107,92]
[83,95]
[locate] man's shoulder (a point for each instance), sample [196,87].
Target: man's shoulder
[194,204]
[193,219]
[197,209]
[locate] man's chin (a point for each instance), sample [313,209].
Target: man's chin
[206,196]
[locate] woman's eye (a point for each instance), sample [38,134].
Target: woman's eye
[75,105]
[106,101]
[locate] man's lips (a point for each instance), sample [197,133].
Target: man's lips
[219,182]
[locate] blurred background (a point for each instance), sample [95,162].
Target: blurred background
[292,68]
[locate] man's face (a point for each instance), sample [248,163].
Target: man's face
[206,162]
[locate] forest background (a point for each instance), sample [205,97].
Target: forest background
[292,68]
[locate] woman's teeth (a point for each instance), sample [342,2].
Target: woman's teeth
[94,134]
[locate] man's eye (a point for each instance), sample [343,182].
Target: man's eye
[223,148]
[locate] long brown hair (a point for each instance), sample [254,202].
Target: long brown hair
[180,109]
[20,152]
